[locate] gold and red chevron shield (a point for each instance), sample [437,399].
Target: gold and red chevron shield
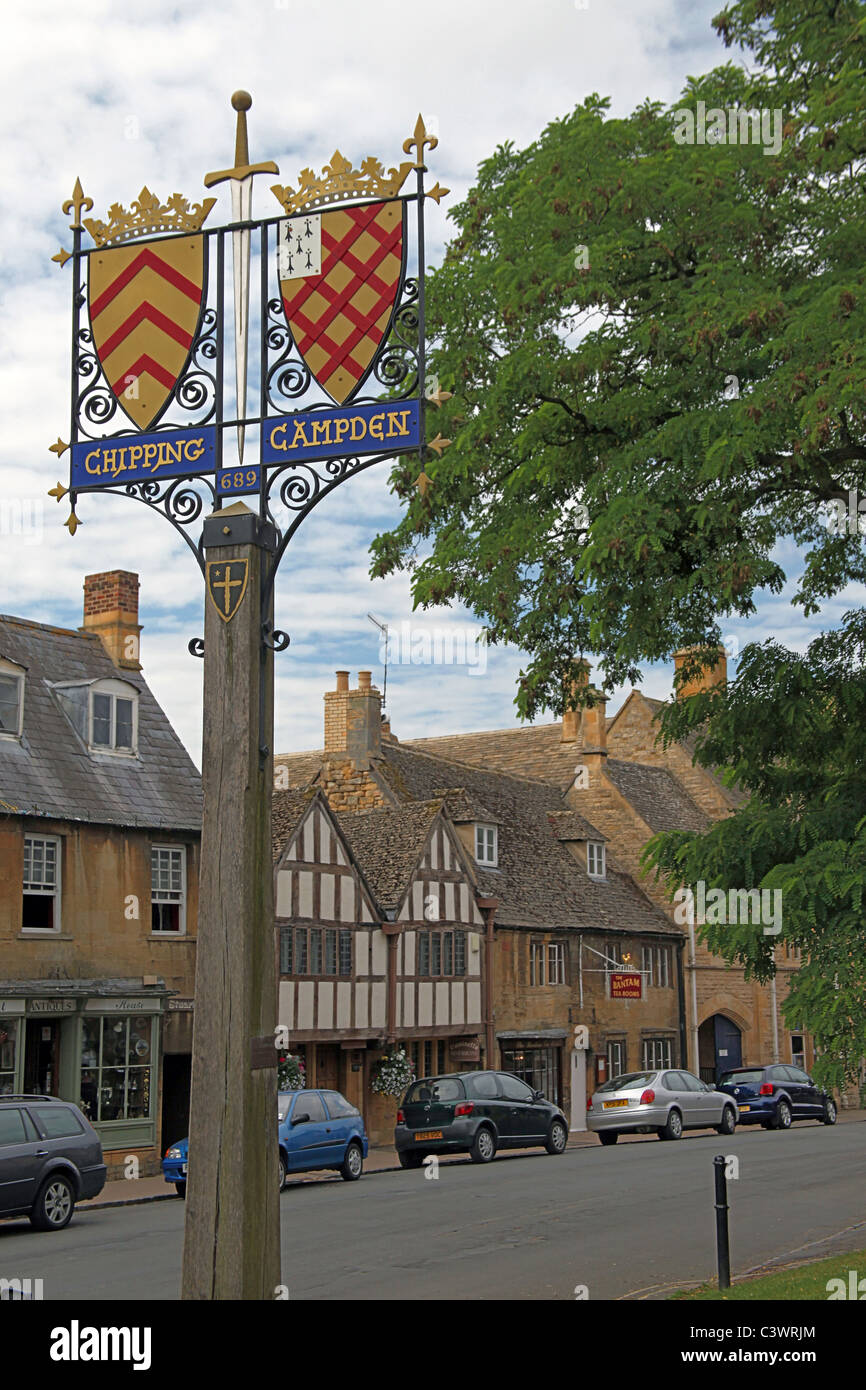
[145,303]
[340,274]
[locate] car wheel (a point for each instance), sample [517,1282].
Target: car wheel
[180,1189]
[829,1116]
[557,1138]
[410,1158]
[729,1121]
[353,1164]
[608,1136]
[54,1205]
[283,1173]
[783,1116]
[674,1127]
[483,1146]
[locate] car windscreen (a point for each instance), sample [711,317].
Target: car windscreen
[742,1078]
[435,1088]
[629,1082]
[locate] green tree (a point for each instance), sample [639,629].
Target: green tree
[657,354]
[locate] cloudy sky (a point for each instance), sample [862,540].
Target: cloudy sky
[124,95]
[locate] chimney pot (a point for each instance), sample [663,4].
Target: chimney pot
[342,680]
[364,680]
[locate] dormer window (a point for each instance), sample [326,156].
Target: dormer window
[104,713]
[113,719]
[595,859]
[487,845]
[11,699]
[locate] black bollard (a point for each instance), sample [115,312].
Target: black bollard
[723,1251]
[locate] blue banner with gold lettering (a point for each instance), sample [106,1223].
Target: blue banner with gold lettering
[385,427]
[138,458]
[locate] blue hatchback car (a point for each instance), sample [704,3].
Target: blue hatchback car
[317,1129]
[776,1095]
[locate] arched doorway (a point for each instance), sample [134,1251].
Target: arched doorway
[720,1047]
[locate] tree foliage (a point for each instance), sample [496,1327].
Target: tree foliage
[657,354]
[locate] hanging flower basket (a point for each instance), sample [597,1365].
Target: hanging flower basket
[393,1073]
[290,1073]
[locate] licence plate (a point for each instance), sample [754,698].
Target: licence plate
[183,1169]
[428,1134]
[612,1104]
[744,1107]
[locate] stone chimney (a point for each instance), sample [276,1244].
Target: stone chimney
[716,674]
[353,739]
[353,719]
[572,717]
[111,611]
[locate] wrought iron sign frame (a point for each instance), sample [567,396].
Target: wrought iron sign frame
[156,250]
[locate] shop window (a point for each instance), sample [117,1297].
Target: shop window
[8,1045]
[116,1068]
[429,1057]
[41,906]
[537,1066]
[168,890]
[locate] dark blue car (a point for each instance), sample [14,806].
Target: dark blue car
[776,1095]
[317,1129]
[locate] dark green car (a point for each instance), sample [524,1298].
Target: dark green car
[475,1112]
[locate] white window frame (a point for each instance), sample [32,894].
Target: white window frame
[10,669]
[558,950]
[114,690]
[656,966]
[619,1045]
[56,892]
[171,902]
[654,1046]
[595,859]
[482,831]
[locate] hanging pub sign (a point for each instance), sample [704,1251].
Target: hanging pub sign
[625,986]
[316,313]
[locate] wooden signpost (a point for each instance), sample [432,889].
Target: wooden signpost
[341,372]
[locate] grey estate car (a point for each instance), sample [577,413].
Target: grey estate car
[50,1158]
[664,1102]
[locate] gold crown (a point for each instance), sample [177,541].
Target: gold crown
[148,216]
[340,181]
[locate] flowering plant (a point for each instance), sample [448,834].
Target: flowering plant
[290,1073]
[393,1073]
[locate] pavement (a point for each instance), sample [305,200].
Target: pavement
[381,1159]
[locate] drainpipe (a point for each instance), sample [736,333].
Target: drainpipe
[774,1007]
[694,994]
[681,1003]
[391,930]
[488,906]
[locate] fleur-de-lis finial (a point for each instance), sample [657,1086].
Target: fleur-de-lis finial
[78,203]
[417,141]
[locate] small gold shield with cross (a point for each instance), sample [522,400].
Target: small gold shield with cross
[227,584]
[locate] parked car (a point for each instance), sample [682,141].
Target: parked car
[775,1095]
[50,1158]
[663,1102]
[476,1113]
[316,1129]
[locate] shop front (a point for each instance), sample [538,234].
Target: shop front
[536,1057]
[94,1043]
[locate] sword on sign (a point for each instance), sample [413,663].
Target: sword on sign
[241,178]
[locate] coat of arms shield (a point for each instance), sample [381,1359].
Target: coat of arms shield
[340,275]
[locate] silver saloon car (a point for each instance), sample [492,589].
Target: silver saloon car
[661,1102]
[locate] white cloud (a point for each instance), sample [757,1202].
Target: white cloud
[129,95]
